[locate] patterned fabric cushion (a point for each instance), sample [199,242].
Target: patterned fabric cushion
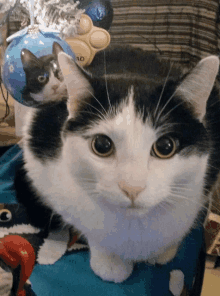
[183,31]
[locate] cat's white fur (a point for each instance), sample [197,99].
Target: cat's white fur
[118,234]
[52,91]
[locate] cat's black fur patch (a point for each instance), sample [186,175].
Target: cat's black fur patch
[212,123]
[39,215]
[45,130]
[126,59]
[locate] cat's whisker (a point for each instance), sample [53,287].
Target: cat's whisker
[159,114]
[175,198]
[216,208]
[104,117]
[165,105]
[180,185]
[181,189]
[162,92]
[165,205]
[106,84]
[98,101]
[205,193]
[214,103]
[170,125]
[51,217]
[171,110]
[87,180]
[184,196]
[169,129]
[91,113]
[85,102]
[211,166]
[94,98]
[216,201]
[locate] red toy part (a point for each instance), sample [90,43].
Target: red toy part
[73,240]
[14,251]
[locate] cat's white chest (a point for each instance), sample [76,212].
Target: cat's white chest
[135,238]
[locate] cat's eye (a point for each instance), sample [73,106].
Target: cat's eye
[164,147]
[42,78]
[5,215]
[102,145]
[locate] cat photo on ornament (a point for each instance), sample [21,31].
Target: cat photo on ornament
[44,80]
[129,160]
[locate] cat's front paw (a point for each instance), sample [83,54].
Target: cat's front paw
[167,255]
[110,267]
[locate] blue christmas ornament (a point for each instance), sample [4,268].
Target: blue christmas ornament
[39,41]
[100,12]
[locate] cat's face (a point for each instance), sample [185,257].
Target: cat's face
[138,145]
[125,163]
[44,79]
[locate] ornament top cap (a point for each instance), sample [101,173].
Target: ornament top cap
[33,29]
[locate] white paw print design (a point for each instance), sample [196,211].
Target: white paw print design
[176,284]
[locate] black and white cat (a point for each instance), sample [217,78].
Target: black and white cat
[44,81]
[129,159]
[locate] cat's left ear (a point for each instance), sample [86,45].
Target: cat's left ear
[28,59]
[57,48]
[198,84]
[76,80]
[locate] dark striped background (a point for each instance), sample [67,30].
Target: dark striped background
[181,30]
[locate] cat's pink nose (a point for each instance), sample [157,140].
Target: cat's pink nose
[131,192]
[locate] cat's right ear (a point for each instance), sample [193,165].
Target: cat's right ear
[198,84]
[57,48]
[76,80]
[28,59]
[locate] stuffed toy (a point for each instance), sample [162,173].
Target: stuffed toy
[23,245]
